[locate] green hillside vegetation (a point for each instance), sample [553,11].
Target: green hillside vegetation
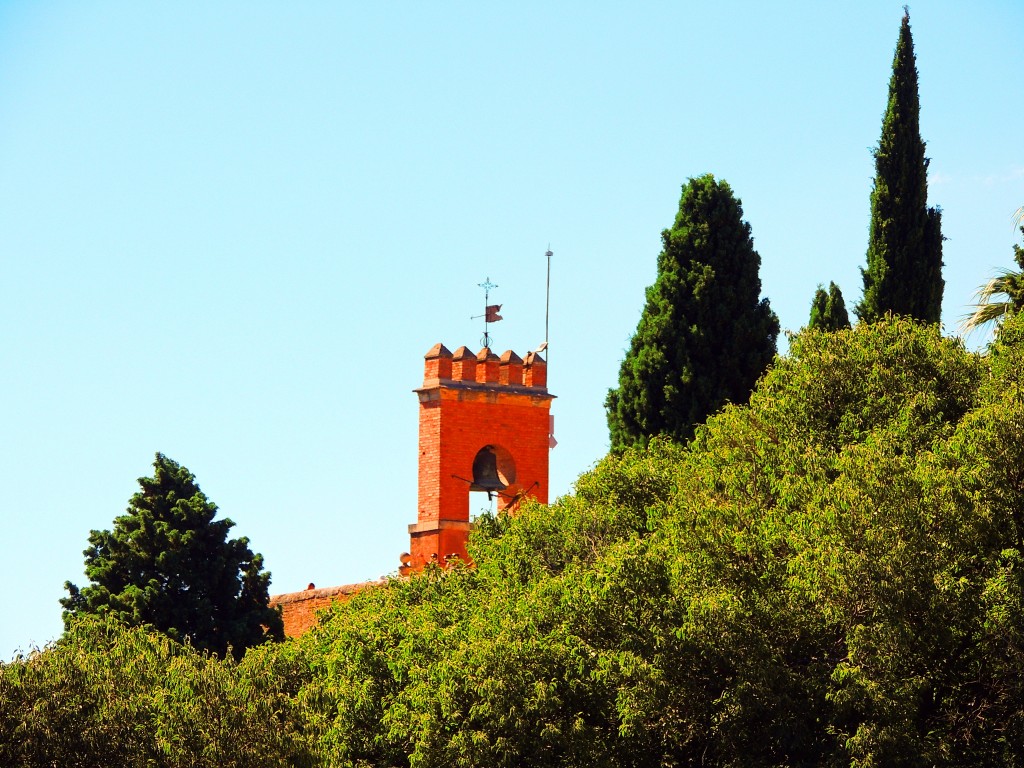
[828,576]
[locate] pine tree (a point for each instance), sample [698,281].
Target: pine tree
[828,310]
[904,257]
[704,336]
[168,564]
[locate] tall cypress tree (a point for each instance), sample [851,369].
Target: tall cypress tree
[705,335]
[828,310]
[904,259]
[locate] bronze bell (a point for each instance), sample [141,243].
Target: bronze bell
[485,472]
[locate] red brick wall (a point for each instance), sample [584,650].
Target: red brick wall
[301,611]
[479,405]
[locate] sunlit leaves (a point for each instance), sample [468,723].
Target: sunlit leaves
[106,694]
[832,575]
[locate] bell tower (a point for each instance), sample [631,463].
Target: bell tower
[484,426]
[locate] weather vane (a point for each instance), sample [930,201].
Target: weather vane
[490,314]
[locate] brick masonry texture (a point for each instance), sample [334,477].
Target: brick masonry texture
[300,611]
[501,403]
[468,401]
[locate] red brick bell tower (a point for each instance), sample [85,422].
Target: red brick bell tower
[484,426]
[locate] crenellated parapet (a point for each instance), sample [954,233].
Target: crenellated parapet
[484,369]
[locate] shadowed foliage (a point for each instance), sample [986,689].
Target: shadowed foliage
[828,310]
[904,258]
[169,564]
[705,335]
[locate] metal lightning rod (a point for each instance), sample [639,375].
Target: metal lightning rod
[547,304]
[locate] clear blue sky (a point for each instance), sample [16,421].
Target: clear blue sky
[230,231]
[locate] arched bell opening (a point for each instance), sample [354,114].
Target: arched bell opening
[493,470]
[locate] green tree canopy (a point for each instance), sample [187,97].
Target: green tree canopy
[168,564]
[828,310]
[904,257]
[829,575]
[705,335]
[110,695]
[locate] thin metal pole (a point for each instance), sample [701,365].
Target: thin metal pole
[547,305]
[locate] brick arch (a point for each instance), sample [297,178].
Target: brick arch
[468,403]
[493,463]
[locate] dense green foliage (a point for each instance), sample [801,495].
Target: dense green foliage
[705,335]
[811,581]
[109,695]
[1008,284]
[904,258]
[169,565]
[828,310]
[831,575]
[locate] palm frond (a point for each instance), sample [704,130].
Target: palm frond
[984,309]
[983,315]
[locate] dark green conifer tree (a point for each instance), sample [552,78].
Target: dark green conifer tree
[904,258]
[705,335]
[828,310]
[169,565]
